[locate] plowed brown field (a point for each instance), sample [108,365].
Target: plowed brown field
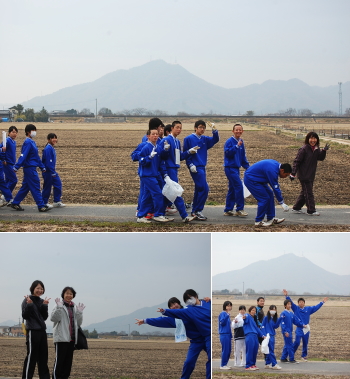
[110,359]
[96,168]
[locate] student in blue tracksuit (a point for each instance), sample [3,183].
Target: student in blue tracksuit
[198,312]
[151,165]
[257,179]
[155,124]
[172,162]
[51,177]
[10,158]
[6,193]
[30,160]
[234,159]
[251,332]
[271,322]
[288,319]
[303,313]
[196,163]
[225,333]
[197,342]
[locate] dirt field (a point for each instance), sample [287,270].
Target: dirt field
[329,338]
[110,359]
[96,168]
[220,375]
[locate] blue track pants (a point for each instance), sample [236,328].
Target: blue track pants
[179,201]
[152,197]
[226,347]
[3,185]
[49,182]
[252,347]
[305,339]
[201,189]
[235,190]
[191,359]
[271,358]
[31,182]
[10,177]
[288,349]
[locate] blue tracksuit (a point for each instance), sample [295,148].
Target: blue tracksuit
[197,342]
[51,177]
[269,327]
[29,160]
[251,332]
[304,315]
[200,315]
[201,187]
[257,179]
[172,167]
[234,158]
[150,170]
[10,158]
[135,158]
[288,319]
[3,185]
[225,337]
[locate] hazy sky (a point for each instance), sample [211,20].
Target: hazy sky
[235,251]
[49,45]
[114,274]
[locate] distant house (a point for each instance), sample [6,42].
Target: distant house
[4,330]
[16,330]
[6,115]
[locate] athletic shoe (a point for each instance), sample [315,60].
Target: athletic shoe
[285,360]
[299,211]
[188,205]
[251,368]
[278,220]
[162,219]
[3,203]
[16,207]
[256,368]
[229,213]
[59,204]
[2,198]
[170,210]
[303,359]
[276,367]
[268,366]
[293,361]
[186,220]
[49,206]
[143,220]
[149,216]
[199,215]
[259,223]
[313,214]
[267,223]
[225,368]
[241,213]
[45,208]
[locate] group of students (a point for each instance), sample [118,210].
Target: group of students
[66,317]
[250,329]
[159,156]
[29,160]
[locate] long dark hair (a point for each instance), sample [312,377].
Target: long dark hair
[275,316]
[312,134]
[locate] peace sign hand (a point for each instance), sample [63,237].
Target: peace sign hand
[47,300]
[29,300]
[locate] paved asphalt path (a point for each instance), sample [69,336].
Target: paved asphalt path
[126,213]
[310,367]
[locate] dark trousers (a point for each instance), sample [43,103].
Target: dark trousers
[36,341]
[306,197]
[63,360]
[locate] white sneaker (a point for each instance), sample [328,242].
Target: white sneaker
[59,204]
[225,368]
[299,211]
[2,198]
[303,359]
[162,219]
[278,220]
[268,366]
[276,367]
[313,214]
[188,219]
[268,223]
[170,211]
[229,213]
[49,205]
[259,223]
[143,220]
[241,213]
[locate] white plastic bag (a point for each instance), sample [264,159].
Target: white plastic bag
[246,192]
[307,329]
[180,331]
[265,345]
[172,190]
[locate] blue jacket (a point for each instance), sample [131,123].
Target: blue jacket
[225,323]
[288,319]
[270,326]
[169,322]
[151,166]
[205,143]
[200,315]
[170,158]
[49,159]
[266,172]
[10,153]
[249,326]
[234,155]
[135,155]
[304,313]
[29,155]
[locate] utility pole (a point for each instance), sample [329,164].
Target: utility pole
[340,100]
[243,290]
[96,109]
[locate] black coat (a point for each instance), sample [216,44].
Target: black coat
[35,313]
[305,163]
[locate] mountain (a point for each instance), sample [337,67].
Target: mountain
[171,88]
[287,271]
[121,323]
[8,323]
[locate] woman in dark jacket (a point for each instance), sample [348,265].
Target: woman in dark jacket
[304,166]
[35,312]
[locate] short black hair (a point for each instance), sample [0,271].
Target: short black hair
[175,123]
[188,294]
[286,167]
[242,307]
[51,135]
[29,128]
[154,123]
[260,297]
[200,122]
[149,131]
[301,299]
[65,289]
[250,308]
[12,128]
[236,125]
[34,284]
[226,303]
[309,135]
[174,300]
[167,129]
[286,302]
